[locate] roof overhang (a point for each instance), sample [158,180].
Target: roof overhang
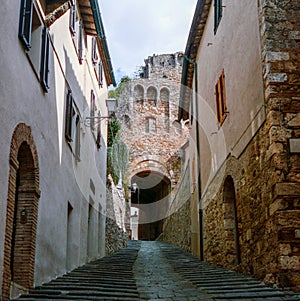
[191,51]
[93,25]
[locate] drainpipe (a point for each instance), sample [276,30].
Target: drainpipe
[198,159]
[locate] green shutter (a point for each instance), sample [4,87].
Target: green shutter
[44,68]
[69,112]
[25,23]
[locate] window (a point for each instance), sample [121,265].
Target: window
[151,125]
[35,38]
[138,93]
[152,95]
[77,32]
[72,126]
[218,14]
[221,99]
[44,69]
[25,25]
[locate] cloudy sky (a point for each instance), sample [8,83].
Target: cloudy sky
[136,29]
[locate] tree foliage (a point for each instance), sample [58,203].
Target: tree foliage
[117,91]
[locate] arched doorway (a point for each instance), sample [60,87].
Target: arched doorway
[151,197]
[21,213]
[232,250]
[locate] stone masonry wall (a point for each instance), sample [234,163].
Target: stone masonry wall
[266,175]
[116,235]
[153,96]
[177,226]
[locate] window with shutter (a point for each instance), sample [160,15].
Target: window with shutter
[221,99]
[72,125]
[25,24]
[44,69]
[218,14]
[72,24]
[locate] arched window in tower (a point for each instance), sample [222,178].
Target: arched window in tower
[165,102]
[152,95]
[138,94]
[151,125]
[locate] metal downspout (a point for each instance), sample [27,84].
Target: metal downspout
[198,159]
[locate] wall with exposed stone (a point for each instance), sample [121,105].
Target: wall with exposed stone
[177,226]
[266,174]
[116,234]
[147,111]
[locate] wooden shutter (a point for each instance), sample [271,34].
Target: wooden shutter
[44,69]
[100,75]
[69,114]
[98,139]
[92,110]
[72,24]
[218,13]
[80,42]
[221,98]
[25,24]
[77,138]
[94,51]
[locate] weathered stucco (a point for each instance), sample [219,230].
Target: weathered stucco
[65,183]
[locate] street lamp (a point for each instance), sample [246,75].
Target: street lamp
[92,121]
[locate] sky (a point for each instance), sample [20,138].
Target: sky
[136,29]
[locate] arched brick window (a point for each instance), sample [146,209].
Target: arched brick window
[138,94]
[232,254]
[22,212]
[152,95]
[164,95]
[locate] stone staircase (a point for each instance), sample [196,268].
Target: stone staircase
[220,283]
[109,278]
[112,278]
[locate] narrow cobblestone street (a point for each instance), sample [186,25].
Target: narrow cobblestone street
[155,271]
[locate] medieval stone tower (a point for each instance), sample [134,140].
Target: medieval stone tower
[147,109]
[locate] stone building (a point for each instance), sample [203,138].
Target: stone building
[54,72]
[147,110]
[240,92]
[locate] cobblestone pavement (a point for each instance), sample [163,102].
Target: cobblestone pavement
[155,271]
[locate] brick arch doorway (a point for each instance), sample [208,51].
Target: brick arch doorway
[21,213]
[152,200]
[232,250]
